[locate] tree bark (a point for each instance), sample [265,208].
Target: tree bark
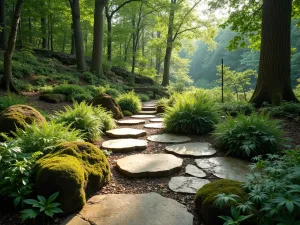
[3,41]
[109,37]
[44,32]
[274,75]
[79,48]
[158,56]
[30,29]
[97,55]
[133,44]
[169,48]
[7,80]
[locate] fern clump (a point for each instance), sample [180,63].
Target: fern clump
[248,136]
[12,99]
[130,101]
[234,108]
[90,121]
[191,113]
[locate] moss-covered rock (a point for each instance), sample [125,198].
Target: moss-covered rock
[18,116]
[75,169]
[206,197]
[53,98]
[127,113]
[109,103]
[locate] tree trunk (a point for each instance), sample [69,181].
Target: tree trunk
[72,41]
[30,29]
[44,32]
[158,56]
[274,75]
[79,49]
[133,44]
[97,55]
[169,48]
[20,36]
[3,42]
[109,38]
[7,80]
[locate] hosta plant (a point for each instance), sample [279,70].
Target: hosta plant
[248,136]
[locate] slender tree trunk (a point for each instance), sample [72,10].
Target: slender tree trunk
[97,55]
[51,33]
[274,75]
[169,48]
[158,56]
[30,29]
[3,41]
[20,36]
[72,41]
[133,44]
[109,38]
[44,32]
[7,80]
[64,43]
[79,49]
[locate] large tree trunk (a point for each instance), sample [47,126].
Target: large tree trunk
[274,75]
[7,80]
[169,48]
[3,42]
[44,33]
[79,49]
[97,55]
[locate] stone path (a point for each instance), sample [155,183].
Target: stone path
[130,122]
[124,145]
[142,116]
[126,133]
[188,185]
[130,209]
[154,126]
[157,120]
[194,171]
[168,138]
[192,149]
[147,112]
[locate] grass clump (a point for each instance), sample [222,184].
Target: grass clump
[130,101]
[248,136]
[234,108]
[192,113]
[12,99]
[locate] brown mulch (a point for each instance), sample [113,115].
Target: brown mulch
[121,184]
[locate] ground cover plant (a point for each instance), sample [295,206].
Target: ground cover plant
[130,102]
[288,110]
[248,136]
[11,99]
[234,108]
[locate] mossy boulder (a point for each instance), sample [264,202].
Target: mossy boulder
[18,116]
[75,170]
[106,101]
[53,98]
[206,197]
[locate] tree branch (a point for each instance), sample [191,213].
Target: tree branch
[189,29]
[120,6]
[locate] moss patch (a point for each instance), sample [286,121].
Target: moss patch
[53,98]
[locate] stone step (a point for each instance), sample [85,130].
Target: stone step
[147,112]
[154,126]
[126,133]
[168,138]
[157,120]
[143,116]
[131,209]
[147,108]
[130,122]
[124,145]
[192,149]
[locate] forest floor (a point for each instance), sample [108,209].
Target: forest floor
[120,184]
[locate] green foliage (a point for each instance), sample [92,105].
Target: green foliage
[289,110]
[127,113]
[41,207]
[113,92]
[248,136]
[11,99]
[234,108]
[144,97]
[74,92]
[130,101]
[192,112]
[43,137]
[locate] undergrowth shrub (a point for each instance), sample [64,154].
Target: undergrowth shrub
[144,97]
[74,92]
[12,99]
[127,113]
[192,112]
[248,136]
[130,101]
[41,138]
[234,108]
[289,110]
[113,92]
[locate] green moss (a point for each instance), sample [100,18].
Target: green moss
[19,116]
[127,113]
[53,98]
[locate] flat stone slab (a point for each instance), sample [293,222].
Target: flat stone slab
[192,149]
[225,167]
[149,165]
[189,185]
[194,171]
[130,122]
[147,112]
[168,138]
[142,116]
[132,209]
[149,108]
[126,133]
[154,126]
[124,145]
[157,120]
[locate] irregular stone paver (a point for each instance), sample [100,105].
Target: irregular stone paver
[157,120]
[126,133]
[192,149]
[194,171]
[188,185]
[168,138]
[148,108]
[154,126]
[124,145]
[149,165]
[142,116]
[134,209]
[130,122]
[147,112]
[225,167]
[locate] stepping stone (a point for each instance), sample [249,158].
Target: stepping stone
[147,112]
[149,165]
[130,122]
[168,138]
[132,209]
[126,133]
[142,116]
[189,185]
[149,108]
[124,145]
[194,171]
[192,149]
[225,167]
[157,120]
[154,126]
